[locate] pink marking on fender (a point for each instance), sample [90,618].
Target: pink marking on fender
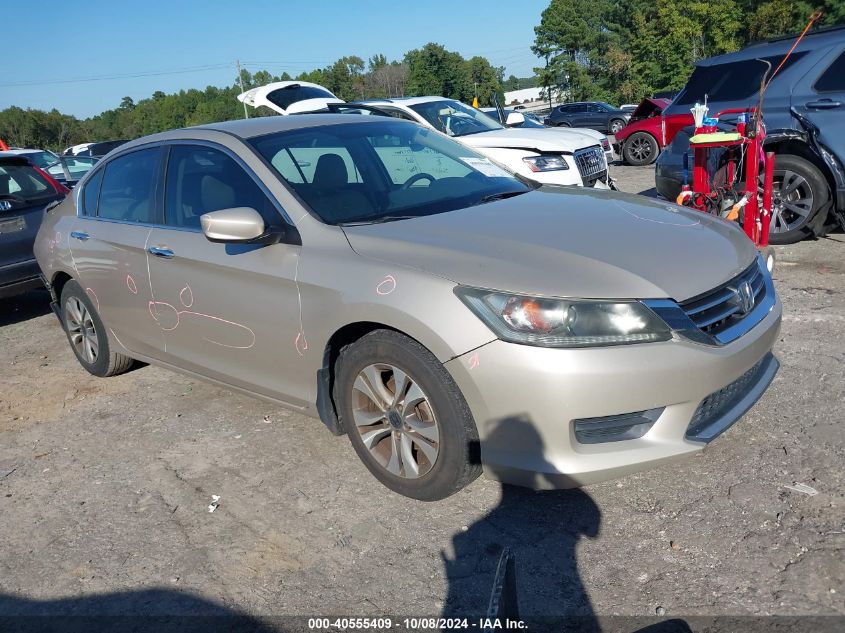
[301,343]
[473,361]
[186,296]
[94,296]
[387,286]
[130,283]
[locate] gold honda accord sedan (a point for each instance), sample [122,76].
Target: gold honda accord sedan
[443,313]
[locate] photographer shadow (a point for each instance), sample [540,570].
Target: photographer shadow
[542,530]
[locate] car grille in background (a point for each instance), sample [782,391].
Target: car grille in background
[720,402]
[591,164]
[719,309]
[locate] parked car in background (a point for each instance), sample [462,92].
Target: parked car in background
[93,149]
[628,107]
[25,191]
[640,141]
[532,121]
[66,169]
[804,114]
[571,159]
[393,282]
[595,115]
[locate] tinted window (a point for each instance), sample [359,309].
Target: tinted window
[832,79]
[366,171]
[20,184]
[284,97]
[90,193]
[731,81]
[128,190]
[201,180]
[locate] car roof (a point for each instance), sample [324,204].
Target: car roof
[814,40]
[13,158]
[408,101]
[259,126]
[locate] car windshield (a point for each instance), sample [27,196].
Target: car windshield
[42,159]
[455,118]
[21,185]
[383,170]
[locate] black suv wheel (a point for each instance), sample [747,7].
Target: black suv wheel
[799,195]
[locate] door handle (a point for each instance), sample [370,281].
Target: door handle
[824,104]
[166,253]
[79,235]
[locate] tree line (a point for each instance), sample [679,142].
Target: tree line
[430,69]
[622,50]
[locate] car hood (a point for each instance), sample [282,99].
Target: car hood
[566,242]
[531,138]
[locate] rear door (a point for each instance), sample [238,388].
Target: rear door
[595,118]
[117,207]
[820,97]
[227,311]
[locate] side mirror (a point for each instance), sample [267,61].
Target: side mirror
[515,119]
[240,224]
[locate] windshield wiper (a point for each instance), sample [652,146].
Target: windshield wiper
[379,220]
[500,196]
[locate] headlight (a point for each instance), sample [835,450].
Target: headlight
[545,163]
[562,322]
[605,144]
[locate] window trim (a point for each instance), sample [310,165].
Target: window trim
[841,55]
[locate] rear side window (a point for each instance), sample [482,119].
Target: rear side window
[128,189]
[22,182]
[832,79]
[203,179]
[90,193]
[731,81]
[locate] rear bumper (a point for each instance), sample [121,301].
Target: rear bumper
[19,277]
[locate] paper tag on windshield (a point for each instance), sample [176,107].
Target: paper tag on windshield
[485,166]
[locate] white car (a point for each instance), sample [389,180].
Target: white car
[571,157]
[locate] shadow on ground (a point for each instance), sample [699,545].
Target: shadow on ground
[29,305]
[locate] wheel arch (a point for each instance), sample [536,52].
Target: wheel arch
[795,143]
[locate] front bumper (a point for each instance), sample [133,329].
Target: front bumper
[525,400]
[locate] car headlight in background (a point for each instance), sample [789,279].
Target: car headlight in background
[545,163]
[564,323]
[605,144]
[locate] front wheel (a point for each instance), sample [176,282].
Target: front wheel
[640,149]
[799,195]
[405,416]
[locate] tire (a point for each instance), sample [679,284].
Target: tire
[364,374]
[563,124]
[806,190]
[640,149]
[616,125]
[87,334]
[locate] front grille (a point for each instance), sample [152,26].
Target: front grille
[591,164]
[717,310]
[720,402]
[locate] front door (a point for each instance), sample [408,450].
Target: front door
[227,311]
[108,242]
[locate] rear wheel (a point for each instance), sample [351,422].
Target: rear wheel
[640,149]
[87,334]
[616,125]
[799,195]
[405,416]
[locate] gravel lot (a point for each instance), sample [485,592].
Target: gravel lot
[105,486]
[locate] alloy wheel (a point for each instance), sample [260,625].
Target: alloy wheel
[616,126]
[792,201]
[395,420]
[81,330]
[640,149]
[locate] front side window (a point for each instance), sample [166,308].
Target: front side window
[382,169]
[202,179]
[128,190]
[454,118]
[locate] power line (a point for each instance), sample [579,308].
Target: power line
[154,73]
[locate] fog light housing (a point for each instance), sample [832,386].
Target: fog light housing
[615,428]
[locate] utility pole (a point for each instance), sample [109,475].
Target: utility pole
[241,81]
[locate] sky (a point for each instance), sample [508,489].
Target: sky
[77,60]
